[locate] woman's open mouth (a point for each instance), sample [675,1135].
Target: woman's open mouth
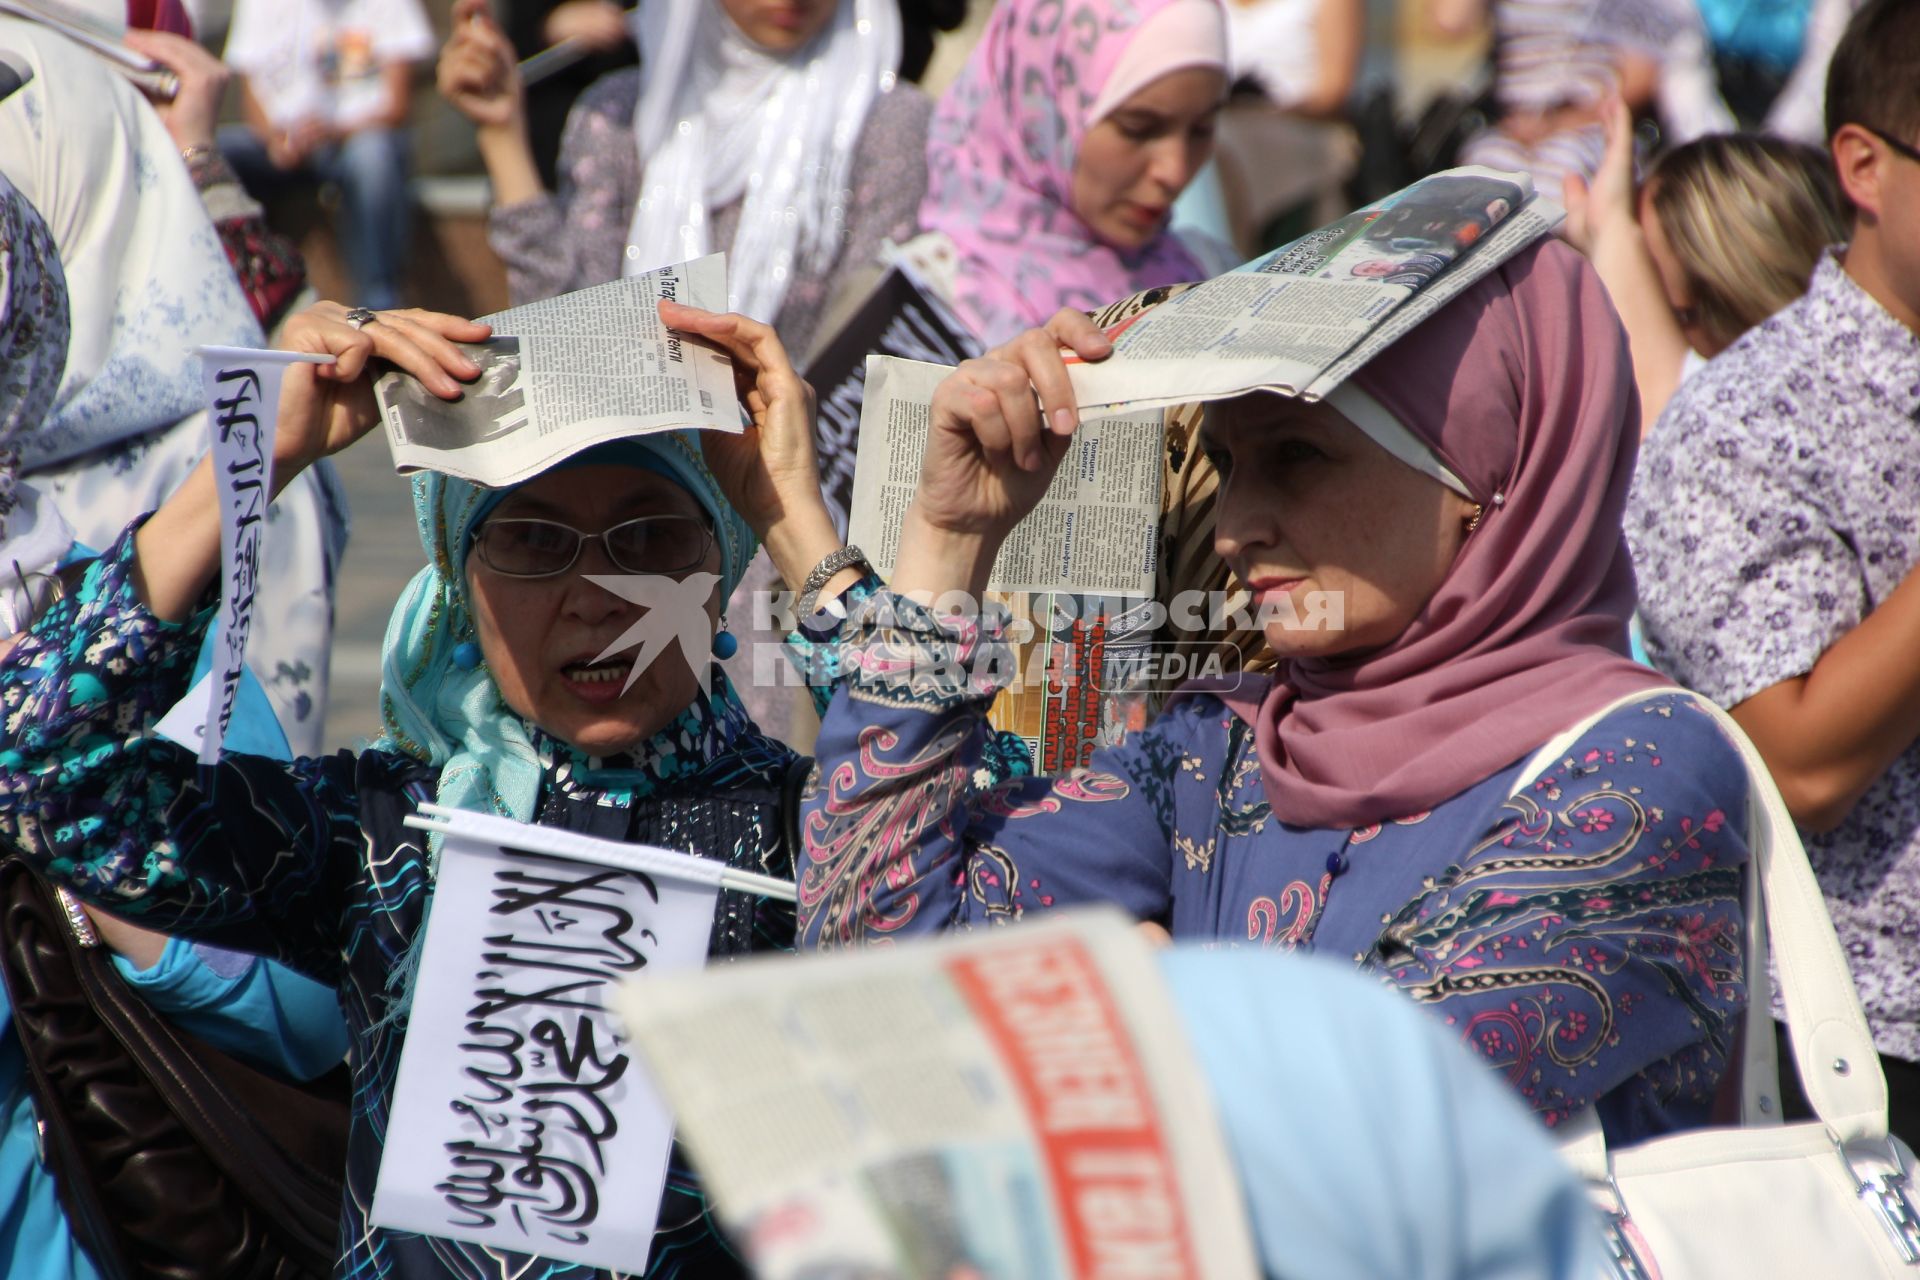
[597,681]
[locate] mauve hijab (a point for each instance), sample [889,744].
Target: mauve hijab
[1523,387]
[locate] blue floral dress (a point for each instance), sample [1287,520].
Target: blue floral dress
[309,863]
[1580,928]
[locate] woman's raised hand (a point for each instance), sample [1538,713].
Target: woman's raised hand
[769,471]
[479,72]
[1605,207]
[999,427]
[192,115]
[324,408]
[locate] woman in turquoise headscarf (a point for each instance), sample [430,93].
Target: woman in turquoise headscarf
[493,700]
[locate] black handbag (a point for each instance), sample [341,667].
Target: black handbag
[171,1158]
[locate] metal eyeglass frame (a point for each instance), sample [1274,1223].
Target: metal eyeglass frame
[581,538]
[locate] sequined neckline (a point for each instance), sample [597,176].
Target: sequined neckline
[706,730]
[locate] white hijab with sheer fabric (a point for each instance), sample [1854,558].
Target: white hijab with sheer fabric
[721,119]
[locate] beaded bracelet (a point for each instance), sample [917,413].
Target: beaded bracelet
[834,562]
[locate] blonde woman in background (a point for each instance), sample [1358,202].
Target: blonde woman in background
[1725,232]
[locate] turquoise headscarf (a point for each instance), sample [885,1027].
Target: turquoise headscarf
[455,719]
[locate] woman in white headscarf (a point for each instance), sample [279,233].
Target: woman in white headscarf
[148,281]
[776,133]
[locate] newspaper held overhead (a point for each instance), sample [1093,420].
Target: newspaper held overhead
[1014,1105]
[1095,531]
[567,373]
[1301,319]
[1081,570]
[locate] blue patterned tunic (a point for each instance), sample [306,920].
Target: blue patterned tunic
[309,862]
[1580,928]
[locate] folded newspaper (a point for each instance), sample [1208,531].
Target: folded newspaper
[1013,1105]
[101,28]
[1301,319]
[567,373]
[1094,530]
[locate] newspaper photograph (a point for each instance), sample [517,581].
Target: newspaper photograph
[1011,1105]
[1300,319]
[1086,662]
[1096,530]
[567,373]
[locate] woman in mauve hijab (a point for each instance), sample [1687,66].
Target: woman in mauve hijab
[1436,558]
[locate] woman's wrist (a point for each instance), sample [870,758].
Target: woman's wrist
[796,543]
[933,562]
[177,549]
[1617,236]
[507,152]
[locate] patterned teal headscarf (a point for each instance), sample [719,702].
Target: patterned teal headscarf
[456,720]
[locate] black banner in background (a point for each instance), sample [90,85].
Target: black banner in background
[897,319]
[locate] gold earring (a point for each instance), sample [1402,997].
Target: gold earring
[1473,521]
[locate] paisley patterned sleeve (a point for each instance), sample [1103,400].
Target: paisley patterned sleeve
[1590,945]
[908,826]
[558,242]
[237,854]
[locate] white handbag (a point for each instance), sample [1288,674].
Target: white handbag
[1827,1199]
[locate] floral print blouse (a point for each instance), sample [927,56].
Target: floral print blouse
[1774,507]
[555,243]
[1578,927]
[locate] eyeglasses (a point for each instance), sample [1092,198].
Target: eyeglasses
[543,548]
[1899,148]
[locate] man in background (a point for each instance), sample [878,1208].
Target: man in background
[326,88]
[1774,535]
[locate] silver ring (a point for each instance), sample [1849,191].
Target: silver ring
[360,317]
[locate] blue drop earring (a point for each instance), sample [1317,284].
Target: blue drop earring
[725,645]
[466,655]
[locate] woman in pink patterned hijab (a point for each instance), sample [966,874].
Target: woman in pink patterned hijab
[1054,160]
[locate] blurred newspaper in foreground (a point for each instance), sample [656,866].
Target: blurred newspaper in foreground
[1014,1105]
[566,373]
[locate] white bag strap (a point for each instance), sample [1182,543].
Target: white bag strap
[1832,1045]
